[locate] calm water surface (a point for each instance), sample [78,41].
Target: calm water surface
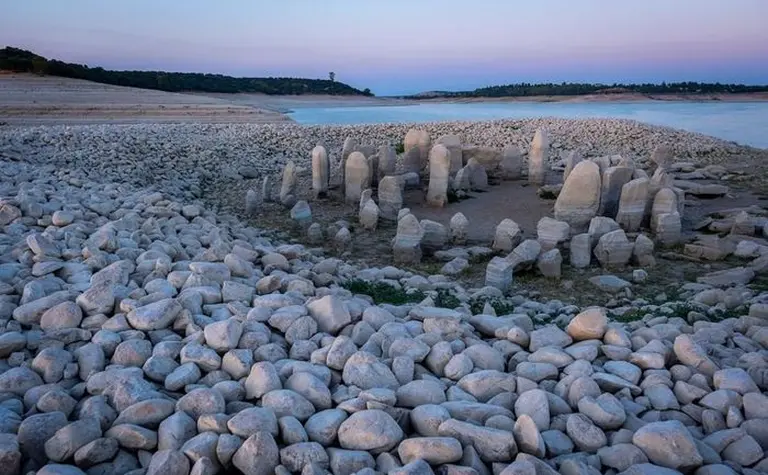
[742,122]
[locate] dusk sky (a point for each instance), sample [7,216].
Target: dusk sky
[406,46]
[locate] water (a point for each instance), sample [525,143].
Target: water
[742,122]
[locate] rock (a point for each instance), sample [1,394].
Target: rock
[439,171]
[459,227]
[301,213]
[434,237]
[419,141]
[527,436]
[668,444]
[579,200]
[288,185]
[372,430]
[549,263]
[524,255]
[492,445]
[581,251]
[453,144]
[433,450]
[168,462]
[154,316]
[551,232]
[366,371]
[632,204]
[508,236]
[67,440]
[407,243]
[390,197]
[613,181]
[668,228]
[728,277]
[259,455]
[534,403]
[321,171]
[585,435]
[356,175]
[498,274]
[511,165]
[589,324]
[538,157]
[613,249]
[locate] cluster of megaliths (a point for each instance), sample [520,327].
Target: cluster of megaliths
[601,208]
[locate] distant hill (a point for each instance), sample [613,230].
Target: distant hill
[19,60]
[580,89]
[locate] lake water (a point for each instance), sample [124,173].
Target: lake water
[742,122]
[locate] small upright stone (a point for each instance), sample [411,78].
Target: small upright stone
[665,202]
[511,165]
[571,160]
[266,188]
[390,197]
[439,174]
[662,156]
[508,236]
[288,186]
[369,215]
[434,236]
[550,263]
[301,213]
[321,171]
[251,202]
[614,179]
[551,232]
[581,251]
[459,227]
[419,140]
[453,144]
[668,228]
[357,173]
[634,196]
[537,158]
[478,176]
[387,162]
[614,249]
[407,243]
[350,145]
[498,274]
[579,200]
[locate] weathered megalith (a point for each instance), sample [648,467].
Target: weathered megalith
[266,188]
[251,202]
[571,160]
[524,255]
[288,186]
[551,232]
[453,144]
[417,139]
[434,236]
[356,176]
[581,251]
[387,161]
[537,158]
[550,263]
[439,175]
[373,171]
[478,177]
[662,156]
[614,178]
[390,197]
[498,274]
[665,202]
[459,227]
[321,171]
[350,145]
[369,215]
[407,243]
[634,196]
[488,157]
[301,213]
[508,236]
[511,166]
[579,199]
[668,228]
[614,249]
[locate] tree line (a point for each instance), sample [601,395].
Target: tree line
[578,89]
[22,61]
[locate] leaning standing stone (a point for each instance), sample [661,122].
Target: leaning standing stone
[387,162]
[614,178]
[288,186]
[665,202]
[579,200]
[407,245]
[459,227]
[321,171]
[537,158]
[369,215]
[634,196]
[581,251]
[390,197]
[614,249]
[419,140]
[350,145]
[266,188]
[573,159]
[668,228]
[499,274]
[453,144]
[356,174]
[439,171]
[511,165]
[662,156]
[251,202]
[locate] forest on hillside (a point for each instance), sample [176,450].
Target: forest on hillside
[22,61]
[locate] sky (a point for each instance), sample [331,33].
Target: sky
[406,46]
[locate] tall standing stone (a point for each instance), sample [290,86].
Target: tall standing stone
[571,160]
[579,199]
[614,178]
[537,158]
[434,236]
[350,145]
[373,167]
[418,139]
[321,171]
[453,144]
[439,174]
[508,235]
[356,175]
[478,177]
[251,202]
[662,156]
[407,243]
[668,228]
[387,161]
[665,202]
[390,197]
[634,196]
[511,165]
[266,188]
[498,274]
[288,186]
[581,251]
[459,227]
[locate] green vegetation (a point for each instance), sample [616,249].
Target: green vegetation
[580,89]
[381,292]
[400,148]
[22,61]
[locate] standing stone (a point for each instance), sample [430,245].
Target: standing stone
[508,236]
[390,197]
[350,145]
[321,171]
[251,202]
[668,228]
[499,274]
[301,213]
[434,236]
[407,244]
[453,144]
[524,255]
[288,186]
[459,227]
[315,234]
[417,139]
[581,251]
[573,159]
[665,202]
[387,161]
[662,156]
[266,188]
[511,166]
[550,263]
[551,232]
[356,174]
[614,178]
[642,251]
[478,177]
[614,249]
[634,196]
[412,161]
[373,167]
[369,215]
[579,200]
[439,173]
[538,157]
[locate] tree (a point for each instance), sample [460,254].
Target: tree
[332,76]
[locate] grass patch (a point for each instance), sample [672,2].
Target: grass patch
[445,299]
[400,148]
[632,315]
[383,293]
[500,306]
